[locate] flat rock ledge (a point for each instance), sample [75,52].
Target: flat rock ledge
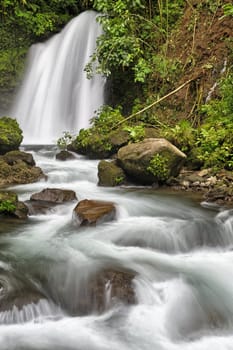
[48,198]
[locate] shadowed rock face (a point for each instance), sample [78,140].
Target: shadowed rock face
[64,155]
[92,212]
[110,174]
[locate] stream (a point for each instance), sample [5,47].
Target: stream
[179,251]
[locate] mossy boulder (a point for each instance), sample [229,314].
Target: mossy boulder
[14,157]
[97,145]
[92,144]
[10,135]
[10,206]
[17,167]
[110,174]
[153,160]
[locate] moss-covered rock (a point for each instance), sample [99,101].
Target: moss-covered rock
[92,144]
[110,174]
[151,161]
[17,168]
[10,135]
[10,206]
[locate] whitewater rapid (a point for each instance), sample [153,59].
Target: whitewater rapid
[181,255]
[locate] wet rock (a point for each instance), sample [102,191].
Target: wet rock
[92,212]
[110,174]
[11,207]
[150,161]
[54,195]
[44,201]
[64,155]
[102,291]
[18,168]
[10,135]
[15,157]
[107,288]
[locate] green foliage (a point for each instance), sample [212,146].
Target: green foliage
[65,140]
[136,133]
[158,166]
[7,202]
[133,32]
[7,207]
[106,119]
[182,135]
[10,134]
[215,139]
[228,9]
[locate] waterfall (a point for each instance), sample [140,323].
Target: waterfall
[56,95]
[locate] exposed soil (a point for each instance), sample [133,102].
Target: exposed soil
[203,44]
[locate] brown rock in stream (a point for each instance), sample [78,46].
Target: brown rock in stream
[92,212]
[54,195]
[42,202]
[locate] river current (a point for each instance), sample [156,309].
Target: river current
[180,252]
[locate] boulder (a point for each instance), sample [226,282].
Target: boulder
[153,160]
[18,168]
[14,157]
[64,155]
[11,207]
[47,199]
[110,174]
[54,195]
[10,135]
[92,212]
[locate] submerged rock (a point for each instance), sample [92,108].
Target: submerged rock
[110,174]
[10,135]
[15,292]
[92,212]
[151,161]
[105,289]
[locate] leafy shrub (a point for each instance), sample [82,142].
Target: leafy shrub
[215,139]
[158,166]
[137,132]
[7,207]
[65,140]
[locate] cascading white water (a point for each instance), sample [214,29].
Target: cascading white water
[56,95]
[181,255]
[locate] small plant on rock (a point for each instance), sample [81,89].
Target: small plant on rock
[158,166]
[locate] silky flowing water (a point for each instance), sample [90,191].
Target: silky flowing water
[56,95]
[180,252]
